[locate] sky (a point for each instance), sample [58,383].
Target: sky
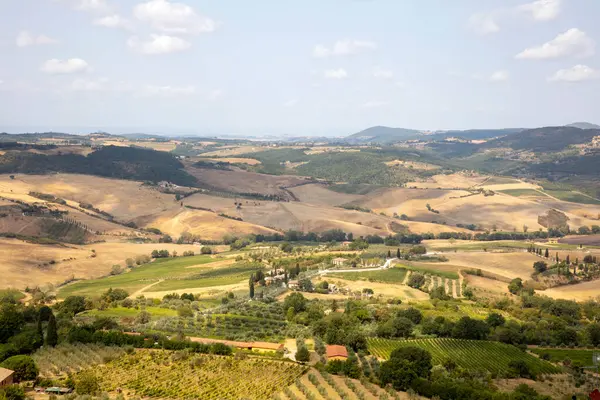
[296,67]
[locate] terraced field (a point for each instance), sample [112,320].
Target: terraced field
[470,354]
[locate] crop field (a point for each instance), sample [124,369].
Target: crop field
[27,264]
[523,193]
[212,277]
[123,312]
[584,357]
[321,385]
[163,374]
[573,197]
[392,275]
[68,358]
[469,354]
[137,278]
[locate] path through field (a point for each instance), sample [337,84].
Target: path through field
[139,292]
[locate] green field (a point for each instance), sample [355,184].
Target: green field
[469,354]
[523,192]
[432,271]
[584,357]
[123,312]
[214,277]
[392,275]
[137,278]
[573,197]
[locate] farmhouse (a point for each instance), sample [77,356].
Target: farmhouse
[336,352]
[338,261]
[6,377]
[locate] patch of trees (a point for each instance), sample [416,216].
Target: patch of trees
[230,217]
[109,161]
[160,254]
[219,165]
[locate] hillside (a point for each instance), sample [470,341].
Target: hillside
[584,125]
[546,139]
[383,134]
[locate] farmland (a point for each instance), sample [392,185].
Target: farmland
[186,375]
[583,357]
[491,356]
[65,359]
[391,275]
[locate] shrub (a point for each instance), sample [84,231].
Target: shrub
[205,250]
[87,384]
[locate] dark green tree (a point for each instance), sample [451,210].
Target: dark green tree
[398,253]
[494,320]
[405,365]
[302,355]
[24,367]
[540,266]
[515,286]
[547,254]
[51,332]
[251,284]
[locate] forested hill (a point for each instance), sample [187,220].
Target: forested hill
[110,161]
[546,139]
[383,134]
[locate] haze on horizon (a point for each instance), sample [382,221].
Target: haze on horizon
[308,68]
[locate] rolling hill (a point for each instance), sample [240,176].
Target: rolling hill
[383,134]
[546,139]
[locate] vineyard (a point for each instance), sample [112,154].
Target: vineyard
[321,385]
[158,373]
[468,354]
[67,358]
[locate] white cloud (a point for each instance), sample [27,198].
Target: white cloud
[26,38]
[113,21]
[343,48]
[339,73]
[542,10]
[70,66]
[484,23]
[170,17]
[500,76]
[92,5]
[321,51]
[158,44]
[215,94]
[89,85]
[381,73]
[577,73]
[169,90]
[375,104]
[290,103]
[570,43]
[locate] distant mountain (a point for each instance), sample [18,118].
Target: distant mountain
[553,138]
[383,134]
[584,125]
[474,134]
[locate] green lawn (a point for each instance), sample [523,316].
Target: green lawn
[137,278]
[392,275]
[122,312]
[214,277]
[573,197]
[584,357]
[523,192]
[432,271]
[469,354]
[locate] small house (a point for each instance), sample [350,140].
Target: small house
[6,377]
[336,352]
[338,261]
[293,285]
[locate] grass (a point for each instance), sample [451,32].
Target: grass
[523,192]
[123,312]
[469,354]
[392,275]
[500,180]
[583,357]
[573,197]
[215,277]
[137,278]
[14,294]
[431,271]
[480,246]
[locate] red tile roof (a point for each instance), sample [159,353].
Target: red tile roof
[335,350]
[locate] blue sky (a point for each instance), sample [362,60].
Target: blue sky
[310,67]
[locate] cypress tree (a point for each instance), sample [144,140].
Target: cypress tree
[398,253]
[51,332]
[547,254]
[389,254]
[251,286]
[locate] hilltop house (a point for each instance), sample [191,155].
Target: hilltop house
[6,377]
[336,352]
